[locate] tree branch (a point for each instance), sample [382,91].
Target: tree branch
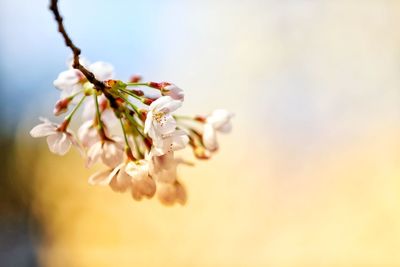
[99,85]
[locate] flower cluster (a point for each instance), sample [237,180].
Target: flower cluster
[131,128]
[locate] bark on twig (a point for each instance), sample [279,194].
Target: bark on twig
[99,85]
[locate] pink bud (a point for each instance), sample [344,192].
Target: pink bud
[158,86]
[135,78]
[61,106]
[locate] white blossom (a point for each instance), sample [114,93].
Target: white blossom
[142,184]
[128,175]
[166,143]
[159,119]
[170,193]
[107,114]
[88,134]
[59,141]
[218,121]
[72,80]
[116,178]
[163,168]
[174,92]
[69,82]
[110,151]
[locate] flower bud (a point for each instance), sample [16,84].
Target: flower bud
[61,106]
[173,91]
[201,153]
[147,101]
[135,78]
[158,86]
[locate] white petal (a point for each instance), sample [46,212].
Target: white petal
[170,142]
[165,125]
[164,168]
[180,193]
[144,187]
[210,137]
[108,117]
[166,193]
[94,153]
[121,182]
[137,170]
[112,153]
[219,118]
[89,110]
[102,70]
[174,92]
[59,143]
[148,122]
[100,178]
[226,128]
[88,134]
[43,129]
[166,104]
[66,80]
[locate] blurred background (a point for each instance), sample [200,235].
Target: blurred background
[310,176]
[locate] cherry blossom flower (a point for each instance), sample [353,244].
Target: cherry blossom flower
[146,125]
[110,151]
[159,119]
[128,175]
[173,141]
[170,193]
[73,81]
[88,134]
[163,168]
[58,140]
[69,82]
[218,121]
[107,114]
[174,92]
[61,106]
[116,178]
[142,184]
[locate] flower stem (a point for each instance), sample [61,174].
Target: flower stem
[138,84]
[100,123]
[124,131]
[131,94]
[134,122]
[135,108]
[183,117]
[69,117]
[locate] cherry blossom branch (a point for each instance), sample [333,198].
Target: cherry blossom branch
[99,85]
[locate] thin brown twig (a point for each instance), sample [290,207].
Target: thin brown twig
[99,85]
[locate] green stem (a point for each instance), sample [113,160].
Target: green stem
[135,108]
[134,122]
[69,117]
[124,131]
[131,94]
[183,117]
[138,84]
[137,145]
[100,123]
[77,93]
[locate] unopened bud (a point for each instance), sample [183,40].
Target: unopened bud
[173,91]
[61,106]
[137,92]
[201,153]
[147,101]
[135,79]
[158,86]
[200,119]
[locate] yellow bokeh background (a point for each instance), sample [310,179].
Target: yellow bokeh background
[310,175]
